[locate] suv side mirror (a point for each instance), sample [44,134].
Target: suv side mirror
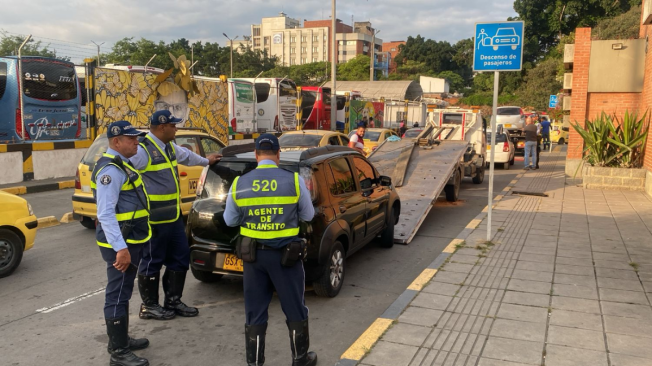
[385,181]
[565,129]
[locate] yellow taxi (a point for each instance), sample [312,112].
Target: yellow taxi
[559,133]
[305,139]
[17,231]
[373,137]
[195,140]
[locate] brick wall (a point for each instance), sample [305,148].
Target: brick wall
[387,47]
[579,94]
[611,103]
[646,97]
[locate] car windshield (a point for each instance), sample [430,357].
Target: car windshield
[413,132]
[509,111]
[500,137]
[505,32]
[219,177]
[299,139]
[372,135]
[452,118]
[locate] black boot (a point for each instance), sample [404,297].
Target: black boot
[150,308]
[300,342]
[173,282]
[255,344]
[121,355]
[134,343]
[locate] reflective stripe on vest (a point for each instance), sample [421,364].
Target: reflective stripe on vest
[128,206]
[268,200]
[161,178]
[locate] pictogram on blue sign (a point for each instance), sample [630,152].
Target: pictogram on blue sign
[498,46]
[553,102]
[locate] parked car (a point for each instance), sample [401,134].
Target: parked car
[17,231]
[412,133]
[503,149]
[304,139]
[374,137]
[196,140]
[512,118]
[354,206]
[559,133]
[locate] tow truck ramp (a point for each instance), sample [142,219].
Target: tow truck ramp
[420,169]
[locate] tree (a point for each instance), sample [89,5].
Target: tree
[456,82]
[437,56]
[540,83]
[9,45]
[624,26]
[355,69]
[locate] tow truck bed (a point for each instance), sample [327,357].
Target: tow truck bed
[428,170]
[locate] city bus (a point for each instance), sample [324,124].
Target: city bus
[315,108]
[51,100]
[241,106]
[276,104]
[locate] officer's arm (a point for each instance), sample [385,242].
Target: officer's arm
[231,211]
[140,160]
[306,209]
[109,181]
[188,158]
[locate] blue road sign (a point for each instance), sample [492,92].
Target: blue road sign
[498,46]
[553,102]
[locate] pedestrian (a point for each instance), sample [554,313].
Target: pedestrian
[416,124]
[402,128]
[545,133]
[157,160]
[365,122]
[371,122]
[271,268]
[357,139]
[121,233]
[530,143]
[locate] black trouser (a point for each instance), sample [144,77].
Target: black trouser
[264,276]
[120,284]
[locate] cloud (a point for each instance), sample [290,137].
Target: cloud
[109,21]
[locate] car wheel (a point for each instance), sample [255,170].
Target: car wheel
[11,252]
[511,162]
[452,191]
[330,282]
[387,236]
[561,141]
[205,276]
[479,176]
[87,222]
[506,165]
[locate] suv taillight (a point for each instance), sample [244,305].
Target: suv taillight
[77,180]
[202,179]
[308,177]
[506,147]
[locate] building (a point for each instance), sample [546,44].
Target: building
[392,48]
[434,86]
[294,44]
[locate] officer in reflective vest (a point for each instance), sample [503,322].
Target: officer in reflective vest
[156,160]
[267,204]
[121,233]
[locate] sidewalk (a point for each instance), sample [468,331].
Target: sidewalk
[35,186]
[564,281]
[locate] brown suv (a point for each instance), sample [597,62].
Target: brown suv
[354,205]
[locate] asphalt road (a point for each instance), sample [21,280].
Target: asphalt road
[52,305]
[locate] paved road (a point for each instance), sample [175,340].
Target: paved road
[52,303]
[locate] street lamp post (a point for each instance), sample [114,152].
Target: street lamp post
[333,68]
[373,51]
[231,40]
[98,52]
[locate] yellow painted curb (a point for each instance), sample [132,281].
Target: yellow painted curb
[15,190]
[67,218]
[450,248]
[363,344]
[498,197]
[3,148]
[42,146]
[83,143]
[47,221]
[67,184]
[423,279]
[473,224]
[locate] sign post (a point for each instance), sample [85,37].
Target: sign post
[553,101]
[498,47]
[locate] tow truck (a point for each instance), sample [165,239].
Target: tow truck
[451,146]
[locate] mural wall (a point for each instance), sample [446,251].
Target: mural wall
[123,95]
[360,110]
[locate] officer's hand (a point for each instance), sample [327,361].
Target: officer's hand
[122,260]
[213,158]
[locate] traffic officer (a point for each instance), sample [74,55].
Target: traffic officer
[121,233]
[284,198]
[157,160]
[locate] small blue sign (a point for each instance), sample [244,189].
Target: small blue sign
[498,46]
[553,102]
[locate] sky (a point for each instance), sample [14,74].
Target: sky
[71,25]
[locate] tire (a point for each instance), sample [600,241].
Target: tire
[205,276]
[453,190]
[387,236]
[330,282]
[87,222]
[506,165]
[479,176]
[511,162]
[561,141]
[11,252]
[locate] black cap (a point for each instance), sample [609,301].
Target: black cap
[267,141]
[163,117]
[122,128]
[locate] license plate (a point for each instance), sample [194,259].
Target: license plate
[231,262]
[86,189]
[192,185]
[54,132]
[508,125]
[520,144]
[488,147]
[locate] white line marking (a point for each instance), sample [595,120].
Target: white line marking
[70,301]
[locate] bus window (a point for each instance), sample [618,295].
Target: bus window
[288,89]
[3,78]
[341,102]
[49,80]
[262,92]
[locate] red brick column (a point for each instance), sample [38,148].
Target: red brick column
[579,94]
[646,97]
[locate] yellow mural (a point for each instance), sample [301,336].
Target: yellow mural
[131,96]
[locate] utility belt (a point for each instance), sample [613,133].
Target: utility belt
[246,247]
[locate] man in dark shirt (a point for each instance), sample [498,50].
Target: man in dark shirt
[545,133]
[530,143]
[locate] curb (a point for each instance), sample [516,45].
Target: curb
[47,221]
[369,338]
[18,190]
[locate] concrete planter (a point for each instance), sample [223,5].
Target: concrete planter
[613,178]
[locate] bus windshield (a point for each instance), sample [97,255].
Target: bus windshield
[49,80]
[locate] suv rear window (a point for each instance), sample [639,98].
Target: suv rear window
[49,80]
[508,111]
[302,139]
[219,177]
[500,137]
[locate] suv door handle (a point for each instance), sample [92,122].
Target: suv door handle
[342,209]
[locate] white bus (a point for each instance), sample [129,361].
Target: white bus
[276,104]
[241,106]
